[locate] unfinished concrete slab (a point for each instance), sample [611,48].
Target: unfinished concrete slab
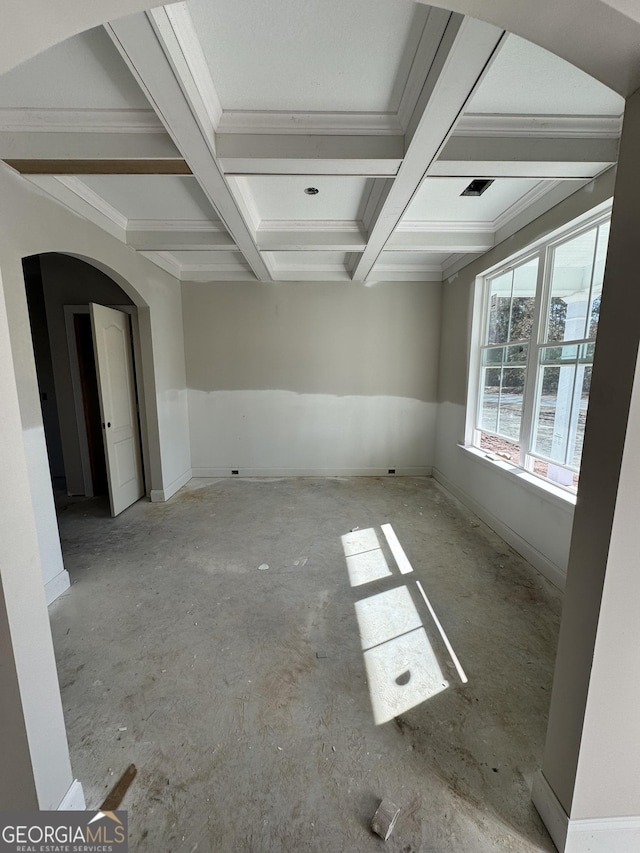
[240,693]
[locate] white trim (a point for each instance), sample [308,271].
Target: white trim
[439,226]
[199,225]
[84,192]
[424,471]
[583,835]
[65,191]
[308,123]
[306,226]
[165,261]
[552,572]
[560,126]
[524,202]
[550,810]
[604,835]
[56,586]
[184,31]
[432,33]
[400,274]
[73,800]
[161,495]
[52,120]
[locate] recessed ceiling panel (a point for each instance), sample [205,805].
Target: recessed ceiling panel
[526,79]
[284,197]
[84,72]
[332,55]
[153,196]
[439,199]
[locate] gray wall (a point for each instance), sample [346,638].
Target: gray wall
[311,377]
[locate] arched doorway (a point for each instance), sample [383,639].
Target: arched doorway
[60,292]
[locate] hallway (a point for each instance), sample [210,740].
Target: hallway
[240,692]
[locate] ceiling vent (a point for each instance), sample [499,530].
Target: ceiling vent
[478,186]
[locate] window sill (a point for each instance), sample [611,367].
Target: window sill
[547,491]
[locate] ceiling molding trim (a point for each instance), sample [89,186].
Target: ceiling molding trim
[309,123]
[432,33]
[439,226]
[523,203]
[462,56]
[50,120]
[76,196]
[181,23]
[91,197]
[165,261]
[149,45]
[309,226]
[560,126]
[197,225]
[382,274]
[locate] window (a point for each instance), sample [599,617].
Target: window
[537,341]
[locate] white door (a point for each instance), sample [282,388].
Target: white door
[118,409]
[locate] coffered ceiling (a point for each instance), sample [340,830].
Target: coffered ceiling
[230,140]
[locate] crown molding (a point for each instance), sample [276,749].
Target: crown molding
[309,123]
[182,225]
[189,54]
[307,226]
[165,261]
[439,226]
[432,33]
[525,201]
[50,120]
[560,126]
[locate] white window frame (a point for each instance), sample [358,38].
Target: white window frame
[544,250]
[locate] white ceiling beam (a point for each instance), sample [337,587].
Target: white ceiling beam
[152,50]
[519,157]
[440,241]
[307,123]
[175,239]
[87,146]
[347,239]
[462,56]
[284,154]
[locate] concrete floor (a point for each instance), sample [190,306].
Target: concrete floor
[241,693]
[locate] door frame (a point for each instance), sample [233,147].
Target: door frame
[83,442]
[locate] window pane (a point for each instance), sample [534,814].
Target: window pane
[553,412]
[525,279]
[516,354]
[582,404]
[489,397]
[570,287]
[510,405]
[598,276]
[499,308]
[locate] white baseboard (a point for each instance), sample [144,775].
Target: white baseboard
[56,586]
[419,471]
[604,835]
[73,800]
[552,572]
[595,835]
[161,495]
[550,810]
